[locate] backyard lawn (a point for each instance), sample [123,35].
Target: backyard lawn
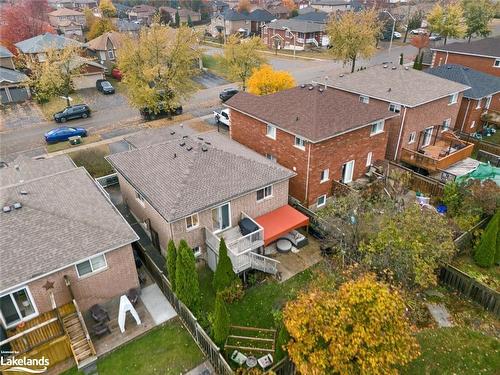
[455,351]
[168,349]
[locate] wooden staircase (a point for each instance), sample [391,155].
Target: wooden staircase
[80,342]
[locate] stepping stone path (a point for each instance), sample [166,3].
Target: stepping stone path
[440,314]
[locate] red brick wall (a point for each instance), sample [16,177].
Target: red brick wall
[269,40]
[472,116]
[483,64]
[115,280]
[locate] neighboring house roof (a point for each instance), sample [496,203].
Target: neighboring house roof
[481,84]
[79,61]
[65,218]
[154,136]
[279,9]
[307,9]
[144,8]
[4,52]
[396,84]
[331,2]
[12,76]
[101,42]
[63,12]
[314,114]
[183,12]
[297,25]
[318,17]
[257,15]
[43,42]
[127,26]
[488,47]
[67,23]
[191,174]
[24,168]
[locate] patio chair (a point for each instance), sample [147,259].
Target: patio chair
[99,314]
[239,357]
[101,329]
[133,295]
[265,361]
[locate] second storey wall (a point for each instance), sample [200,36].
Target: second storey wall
[483,64]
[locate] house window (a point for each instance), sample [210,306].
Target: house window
[300,143]
[479,102]
[413,136]
[364,99]
[271,157]
[472,124]
[91,265]
[377,127]
[196,251]
[488,102]
[271,131]
[288,34]
[192,221]
[17,306]
[427,136]
[265,193]
[453,98]
[446,125]
[496,64]
[325,175]
[221,217]
[139,197]
[396,108]
[321,201]
[301,35]
[369,159]
[111,54]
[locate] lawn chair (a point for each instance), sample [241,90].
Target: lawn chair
[265,361]
[239,358]
[133,295]
[101,329]
[99,314]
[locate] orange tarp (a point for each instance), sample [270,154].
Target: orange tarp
[281,221]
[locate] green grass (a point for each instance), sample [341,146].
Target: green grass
[455,350]
[93,160]
[494,138]
[489,276]
[167,350]
[59,146]
[214,64]
[57,104]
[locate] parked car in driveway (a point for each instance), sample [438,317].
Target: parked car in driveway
[63,133]
[222,117]
[72,112]
[117,74]
[396,35]
[418,32]
[435,37]
[228,94]
[104,86]
[148,114]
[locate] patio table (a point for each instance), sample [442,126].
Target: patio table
[284,245]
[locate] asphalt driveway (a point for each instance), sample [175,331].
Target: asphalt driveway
[16,116]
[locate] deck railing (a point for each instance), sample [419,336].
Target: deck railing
[241,261]
[431,164]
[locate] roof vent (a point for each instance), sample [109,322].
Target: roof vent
[204,148]
[17,167]
[23,192]
[189,148]
[406,68]
[385,66]
[297,118]
[175,155]
[341,75]
[310,88]
[208,143]
[182,144]
[185,136]
[389,89]
[17,205]
[200,138]
[393,68]
[302,85]
[7,209]
[320,89]
[172,133]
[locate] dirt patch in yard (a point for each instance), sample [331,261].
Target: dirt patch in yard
[200,126]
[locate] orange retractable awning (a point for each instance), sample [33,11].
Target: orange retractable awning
[281,221]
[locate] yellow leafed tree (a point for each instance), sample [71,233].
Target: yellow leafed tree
[359,329]
[107,8]
[265,81]
[447,21]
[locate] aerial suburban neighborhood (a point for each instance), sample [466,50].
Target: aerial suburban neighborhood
[245,187]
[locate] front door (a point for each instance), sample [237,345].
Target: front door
[347,172]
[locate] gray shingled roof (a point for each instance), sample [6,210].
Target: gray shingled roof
[12,76]
[296,25]
[4,52]
[481,84]
[151,137]
[64,218]
[178,182]
[318,17]
[258,15]
[43,42]
[396,84]
[24,168]
[489,47]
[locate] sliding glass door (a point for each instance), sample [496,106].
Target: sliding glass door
[221,217]
[17,306]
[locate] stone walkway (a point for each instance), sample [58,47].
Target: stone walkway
[204,369]
[440,314]
[156,304]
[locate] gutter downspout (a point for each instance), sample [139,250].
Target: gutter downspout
[307,174]
[465,115]
[400,134]
[446,59]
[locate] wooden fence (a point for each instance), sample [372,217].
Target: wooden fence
[464,241]
[480,144]
[470,288]
[418,182]
[205,343]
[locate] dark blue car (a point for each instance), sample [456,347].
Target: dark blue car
[63,133]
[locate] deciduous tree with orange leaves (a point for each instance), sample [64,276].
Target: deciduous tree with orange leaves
[265,81]
[359,329]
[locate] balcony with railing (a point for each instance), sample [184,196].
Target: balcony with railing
[436,150]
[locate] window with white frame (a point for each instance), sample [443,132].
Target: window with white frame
[17,306]
[321,201]
[364,99]
[369,159]
[325,175]
[446,125]
[413,136]
[496,64]
[192,221]
[427,136]
[377,127]
[488,102]
[472,124]
[91,265]
[265,193]
[111,54]
[479,102]
[197,251]
[396,108]
[300,143]
[453,98]
[271,157]
[139,197]
[271,131]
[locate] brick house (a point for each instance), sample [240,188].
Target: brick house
[68,22]
[482,97]
[294,34]
[321,134]
[231,21]
[331,6]
[427,105]
[184,14]
[105,47]
[142,13]
[200,189]
[482,55]
[50,239]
